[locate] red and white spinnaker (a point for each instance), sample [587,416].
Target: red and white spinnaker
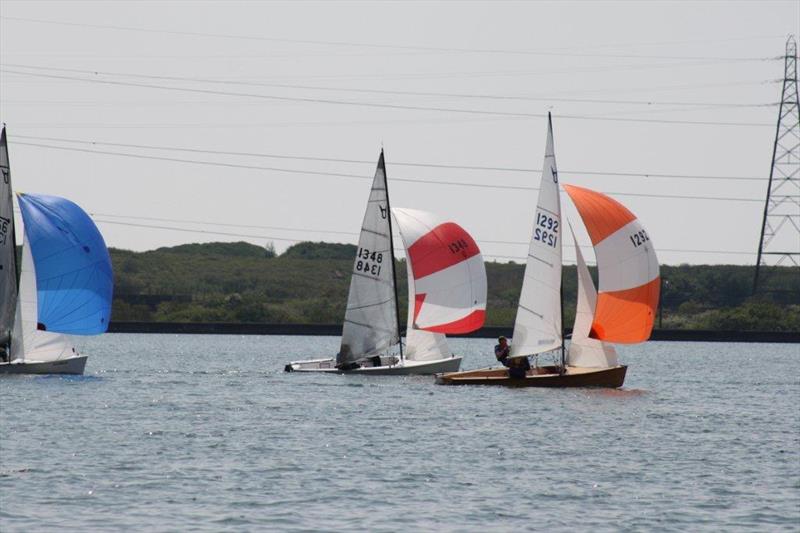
[447,281]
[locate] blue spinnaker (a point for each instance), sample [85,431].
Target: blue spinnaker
[74,279]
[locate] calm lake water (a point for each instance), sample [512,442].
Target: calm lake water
[181,432]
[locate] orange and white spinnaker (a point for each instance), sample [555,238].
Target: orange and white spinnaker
[628,272]
[448,293]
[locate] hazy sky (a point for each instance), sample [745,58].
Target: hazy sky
[264,78]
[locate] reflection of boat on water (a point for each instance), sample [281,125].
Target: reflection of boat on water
[64,286]
[447,294]
[622,312]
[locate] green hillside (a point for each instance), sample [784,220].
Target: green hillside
[308,283]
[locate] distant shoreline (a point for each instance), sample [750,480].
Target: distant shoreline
[224,328]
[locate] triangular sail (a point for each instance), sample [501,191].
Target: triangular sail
[628,273]
[73,275]
[584,351]
[447,277]
[8,254]
[31,343]
[537,327]
[370,321]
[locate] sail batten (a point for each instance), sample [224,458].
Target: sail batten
[541,330]
[370,323]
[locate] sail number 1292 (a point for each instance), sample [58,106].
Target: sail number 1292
[546,230]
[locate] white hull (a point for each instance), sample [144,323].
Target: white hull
[404,368]
[69,365]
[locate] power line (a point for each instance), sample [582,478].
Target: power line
[361,177]
[379,45]
[382,105]
[354,234]
[390,92]
[269,238]
[393,163]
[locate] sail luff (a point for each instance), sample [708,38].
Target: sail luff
[538,324]
[8,250]
[382,163]
[370,324]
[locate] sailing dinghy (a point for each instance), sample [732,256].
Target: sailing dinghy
[622,312]
[447,294]
[65,282]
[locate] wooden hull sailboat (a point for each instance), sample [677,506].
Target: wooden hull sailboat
[62,288]
[621,312]
[548,376]
[447,294]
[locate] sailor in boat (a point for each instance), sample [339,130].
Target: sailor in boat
[517,366]
[4,351]
[501,350]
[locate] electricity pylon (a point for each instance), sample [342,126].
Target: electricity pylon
[780,228]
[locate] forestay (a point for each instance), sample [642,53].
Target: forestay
[628,272]
[370,321]
[537,327]
[447,277]
[8,257]
[583,350]
[73,275]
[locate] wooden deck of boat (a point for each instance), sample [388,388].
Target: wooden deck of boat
[539,377]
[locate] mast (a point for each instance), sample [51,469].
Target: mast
[563,349]
[391,256]
[561,266]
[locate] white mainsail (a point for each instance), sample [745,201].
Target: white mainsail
[537,327]
[583,350]
[370,321]
[8,257]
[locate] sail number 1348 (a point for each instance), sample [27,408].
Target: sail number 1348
[369,262]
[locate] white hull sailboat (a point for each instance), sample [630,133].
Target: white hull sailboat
[387,366]
[64,287]
[69,365]
[622,312]
[447,294]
